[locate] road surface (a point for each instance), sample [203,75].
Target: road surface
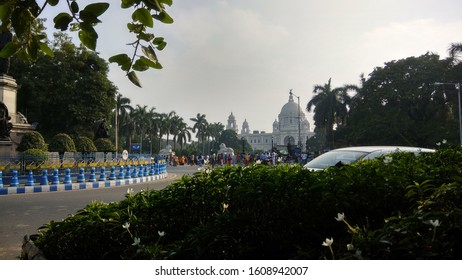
[22,214]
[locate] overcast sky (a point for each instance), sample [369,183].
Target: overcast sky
[243,56]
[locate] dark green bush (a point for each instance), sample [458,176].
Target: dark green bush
[84,145]
[62,143]
[395,207]
[32,140]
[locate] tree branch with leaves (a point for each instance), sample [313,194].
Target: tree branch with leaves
[19,17]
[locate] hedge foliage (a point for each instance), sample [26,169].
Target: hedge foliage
[399,206]
[32,140]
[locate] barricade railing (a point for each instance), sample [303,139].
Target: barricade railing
[74,167]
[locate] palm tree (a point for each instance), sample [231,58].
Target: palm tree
[169,123]
[183,135]
[176,122]
[123,108]
[152,128]
[200,128]
[454,50]
[330,107]
[215,130]
[141,120]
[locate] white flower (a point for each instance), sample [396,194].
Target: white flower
[435,223]
[444,141]
[136,241]
[387,159]
[200,169]
[225,206]
[340,217]
[161,233]
[328,242]
[126,225]
[350,247]
[130,191]
[438,144]
[258,162]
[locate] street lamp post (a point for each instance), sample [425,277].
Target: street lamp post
[457,86]
[299,136]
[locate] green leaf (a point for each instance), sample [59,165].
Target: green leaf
[97,9]
[53,2]
[144,16]
[167,2]
[32,49]
[163,17]
[88,17]
[153,5]
[134,79]
[158,40]
[5,11]
[146,36]
[88,36]
[45,49]
[150,53]
[123,60]
[75,7]
[161,46]
[135,28]
[127,4]
[62,21]
[141,64]
[160,43]
[9,49]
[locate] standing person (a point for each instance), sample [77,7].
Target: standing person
[230,160]
[273,157]
[247,159]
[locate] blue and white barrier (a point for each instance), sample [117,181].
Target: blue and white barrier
[143,174]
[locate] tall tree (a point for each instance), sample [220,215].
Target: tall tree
[330,107]
[123,109]
[75,79]
[176,123]
[141,119]
[200,128]
[183,134]
[214,131]
[399,104]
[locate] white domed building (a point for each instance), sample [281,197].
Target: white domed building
[286,129]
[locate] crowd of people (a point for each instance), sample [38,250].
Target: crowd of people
[267,158]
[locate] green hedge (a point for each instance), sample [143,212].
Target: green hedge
[395,207]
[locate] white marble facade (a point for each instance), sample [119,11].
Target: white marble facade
[285,129]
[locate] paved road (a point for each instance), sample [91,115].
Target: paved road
[22,214]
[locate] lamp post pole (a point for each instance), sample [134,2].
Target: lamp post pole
[457,86]
[299,136]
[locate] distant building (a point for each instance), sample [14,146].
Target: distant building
[286,129]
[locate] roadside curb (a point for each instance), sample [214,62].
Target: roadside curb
[80,186]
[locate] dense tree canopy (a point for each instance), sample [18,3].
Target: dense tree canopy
[66,93]
[399,104]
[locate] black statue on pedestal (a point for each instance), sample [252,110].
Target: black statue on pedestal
[5,125]
[101,129]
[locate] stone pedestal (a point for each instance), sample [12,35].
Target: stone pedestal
[8,94]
